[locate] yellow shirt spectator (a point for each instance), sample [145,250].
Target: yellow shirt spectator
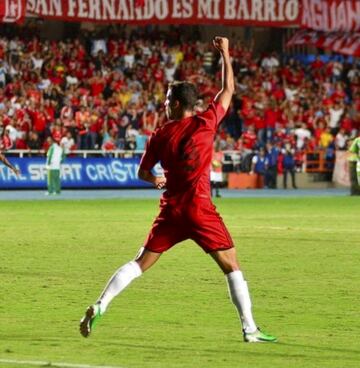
[124,96]
[179,57]
[325,139]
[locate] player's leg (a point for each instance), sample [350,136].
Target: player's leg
[285,172]
[211,234]
[217,189]
[238,289]
[125,275]
[49,181]
[239,294]
[117,283]
[163,235]
[57,187]
[293,178]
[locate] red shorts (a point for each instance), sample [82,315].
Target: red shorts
[198,221]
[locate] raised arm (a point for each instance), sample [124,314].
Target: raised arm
[228,86]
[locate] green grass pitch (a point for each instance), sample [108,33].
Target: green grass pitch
[300,256]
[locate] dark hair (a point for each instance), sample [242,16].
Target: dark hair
[184,92]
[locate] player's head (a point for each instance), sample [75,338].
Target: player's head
[180,97]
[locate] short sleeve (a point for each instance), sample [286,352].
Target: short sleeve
[149,159]
[213,115]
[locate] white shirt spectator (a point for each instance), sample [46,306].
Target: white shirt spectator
[131,133]
[45,83]
[15,104]
[129,60]
[98,45]
[37,63]
[13,133]
[14,45]
[71,80]
[10,109]
[301,134]
[146,50]
[353,73]
[3,71]
[67,143]
[170,72]
[340,140]
[13,71]
[165,55]
[337,69]
[335,115]
[290,93]
[270,62]
[267,85]
[135,98]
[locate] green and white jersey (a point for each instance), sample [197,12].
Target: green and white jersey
[355,150]
[55,157]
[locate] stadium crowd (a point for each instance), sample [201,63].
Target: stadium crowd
[107,93]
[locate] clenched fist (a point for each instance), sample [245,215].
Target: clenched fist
[160,182]
[221,43]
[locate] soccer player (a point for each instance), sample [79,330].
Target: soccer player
[5,161]
[54,158]
[184,147]
[354,166]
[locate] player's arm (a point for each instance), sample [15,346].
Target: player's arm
[5,161]
[228,86]
[158,182]
[148,161]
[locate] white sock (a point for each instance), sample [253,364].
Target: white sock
[118,282]
[240,296]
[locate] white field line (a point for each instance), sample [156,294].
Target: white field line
[52,364]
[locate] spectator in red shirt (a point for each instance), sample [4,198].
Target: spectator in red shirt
[260,126]
[39,122]
[249,138]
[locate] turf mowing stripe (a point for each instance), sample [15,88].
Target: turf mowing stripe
[52,364]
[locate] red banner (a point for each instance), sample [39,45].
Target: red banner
[274,13]
[331,15]
[12,11]
[340,42]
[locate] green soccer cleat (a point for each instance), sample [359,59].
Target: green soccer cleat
[258,336]
[89,320]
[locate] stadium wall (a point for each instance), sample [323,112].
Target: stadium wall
[262,38]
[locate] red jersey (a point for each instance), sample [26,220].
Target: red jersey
[249,139]
[184,149]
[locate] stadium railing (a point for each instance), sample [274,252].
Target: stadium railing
[79,153]
[231,157]
[319,162]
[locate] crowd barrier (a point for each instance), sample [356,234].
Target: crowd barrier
[76,172]
[83,169]
[118,169]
